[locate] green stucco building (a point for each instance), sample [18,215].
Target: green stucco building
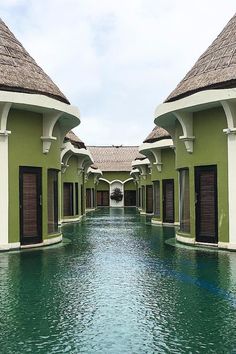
[200,116]
[34,118]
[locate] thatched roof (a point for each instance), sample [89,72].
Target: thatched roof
[18,70]
[114,158]
[157,134]
[215,69]
[74,140]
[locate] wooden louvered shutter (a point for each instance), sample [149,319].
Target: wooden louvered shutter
[168,200]
[88,198]
[68,199]
[105,197]
[99,198]
[30,205]
[206,204]
[149,199]
[157,198]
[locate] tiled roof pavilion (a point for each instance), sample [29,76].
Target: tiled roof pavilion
[114,158]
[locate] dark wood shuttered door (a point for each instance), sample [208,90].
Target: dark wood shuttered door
[102,198]
[149,199]
[68,201]
[88,198]
[130,198]
[93,198]
[30,205]
[168,200]
[206,204]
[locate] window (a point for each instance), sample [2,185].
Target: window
[157,209]
[184,200]
[143,198]
[68,200]
[52,201]
[76,198]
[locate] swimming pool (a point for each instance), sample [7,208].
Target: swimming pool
[115,286]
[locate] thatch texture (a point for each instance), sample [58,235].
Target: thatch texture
[157,134]
[74,140]
[114,158]
[18,70]
[215,69]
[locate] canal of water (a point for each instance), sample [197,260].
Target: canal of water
[115,286]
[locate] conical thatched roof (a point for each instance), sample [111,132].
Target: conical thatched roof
[73,138]
[156,134]
[18,70]
[215,69]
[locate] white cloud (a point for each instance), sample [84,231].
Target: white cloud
[116,60]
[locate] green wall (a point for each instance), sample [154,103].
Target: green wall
[112,176]
[168,171]
[71,175]
[26,149]
[103,186]
[210,148]
[143,182]
[120,175]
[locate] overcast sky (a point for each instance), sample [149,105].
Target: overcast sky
[116,59]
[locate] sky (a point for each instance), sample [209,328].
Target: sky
[116,60]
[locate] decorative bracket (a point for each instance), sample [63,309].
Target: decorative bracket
[230,112]
[186,121]
[64,167]
[49,121]
[80,171]
[4,111]
[157,155]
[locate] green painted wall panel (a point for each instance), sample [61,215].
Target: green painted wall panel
[26,149]
[210,148]
[71,175]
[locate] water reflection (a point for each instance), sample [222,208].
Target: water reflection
[117,288]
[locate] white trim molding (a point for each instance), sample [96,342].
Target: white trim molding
[84,157]
[183,239]
[9,246]
[153,151]
[53,111]
[230,112]
[47,242]
[72,220]
[156,222]
[4,180]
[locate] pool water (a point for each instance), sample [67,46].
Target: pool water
[115,286]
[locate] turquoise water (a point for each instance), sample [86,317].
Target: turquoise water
[117,287]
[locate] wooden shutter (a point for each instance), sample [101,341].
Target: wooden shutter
[157,208]
[206,204]
[149,199]
[168,200]
[76,199]
[130,198]
[105,197]
[30,185]
[99,198]
[30,209]
[88,198]
[68,199]
[52,201]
